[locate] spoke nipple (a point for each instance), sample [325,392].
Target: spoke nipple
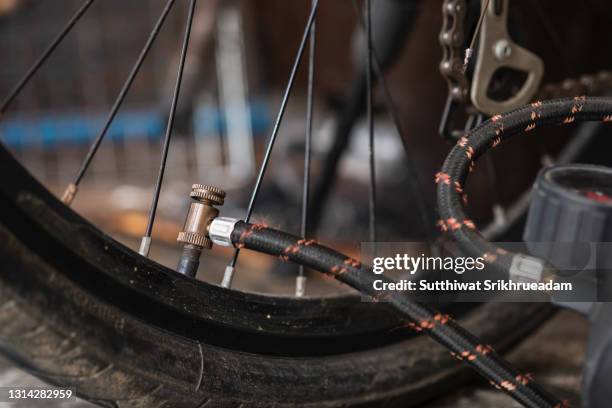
[145,246]
[300,286]
[194,236]
[69,194]
[228,276]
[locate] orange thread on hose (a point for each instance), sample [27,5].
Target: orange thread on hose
[453,224]
[495,141]
[484,349]
[468,356]
[489,257]
[441,318]
[442,225]
[578,104]
[291,249]
[442,177]
[352,262]
[499,125]
[414,327]
[469,223]
[469,152]
[568,120]
[524,379]
[427,324]
[507,385]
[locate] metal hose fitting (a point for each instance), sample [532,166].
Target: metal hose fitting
[195,232]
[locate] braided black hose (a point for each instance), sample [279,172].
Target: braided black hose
[460,161]
[420,317]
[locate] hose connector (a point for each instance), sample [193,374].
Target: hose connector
[220,231]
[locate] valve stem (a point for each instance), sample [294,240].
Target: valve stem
[195,232]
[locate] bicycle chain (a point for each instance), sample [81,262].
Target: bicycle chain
[452,39]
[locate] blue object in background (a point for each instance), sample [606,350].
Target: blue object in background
[208,120]
[51,130]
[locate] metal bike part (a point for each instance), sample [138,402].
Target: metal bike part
[44,56]
[169,127]
[72,189]
[300,280]
[195,232]
[220,233]
[497,51]
[300,285]
[470,50]
[279,118]
[452,39]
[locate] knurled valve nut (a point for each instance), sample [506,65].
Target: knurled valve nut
[207,194]
[194,238]
[206,197]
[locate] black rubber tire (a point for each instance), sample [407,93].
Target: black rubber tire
[79,309]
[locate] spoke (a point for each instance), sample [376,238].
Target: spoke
[146,239]
[370,119]
[470,49]
[415,185]
[229,270]
[45,55]
[300,285]
[72,189]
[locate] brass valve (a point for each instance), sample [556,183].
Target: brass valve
[195,232]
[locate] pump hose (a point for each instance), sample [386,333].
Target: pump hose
[460,162]
[419,316]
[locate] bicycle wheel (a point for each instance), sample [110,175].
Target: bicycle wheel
[78,308]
